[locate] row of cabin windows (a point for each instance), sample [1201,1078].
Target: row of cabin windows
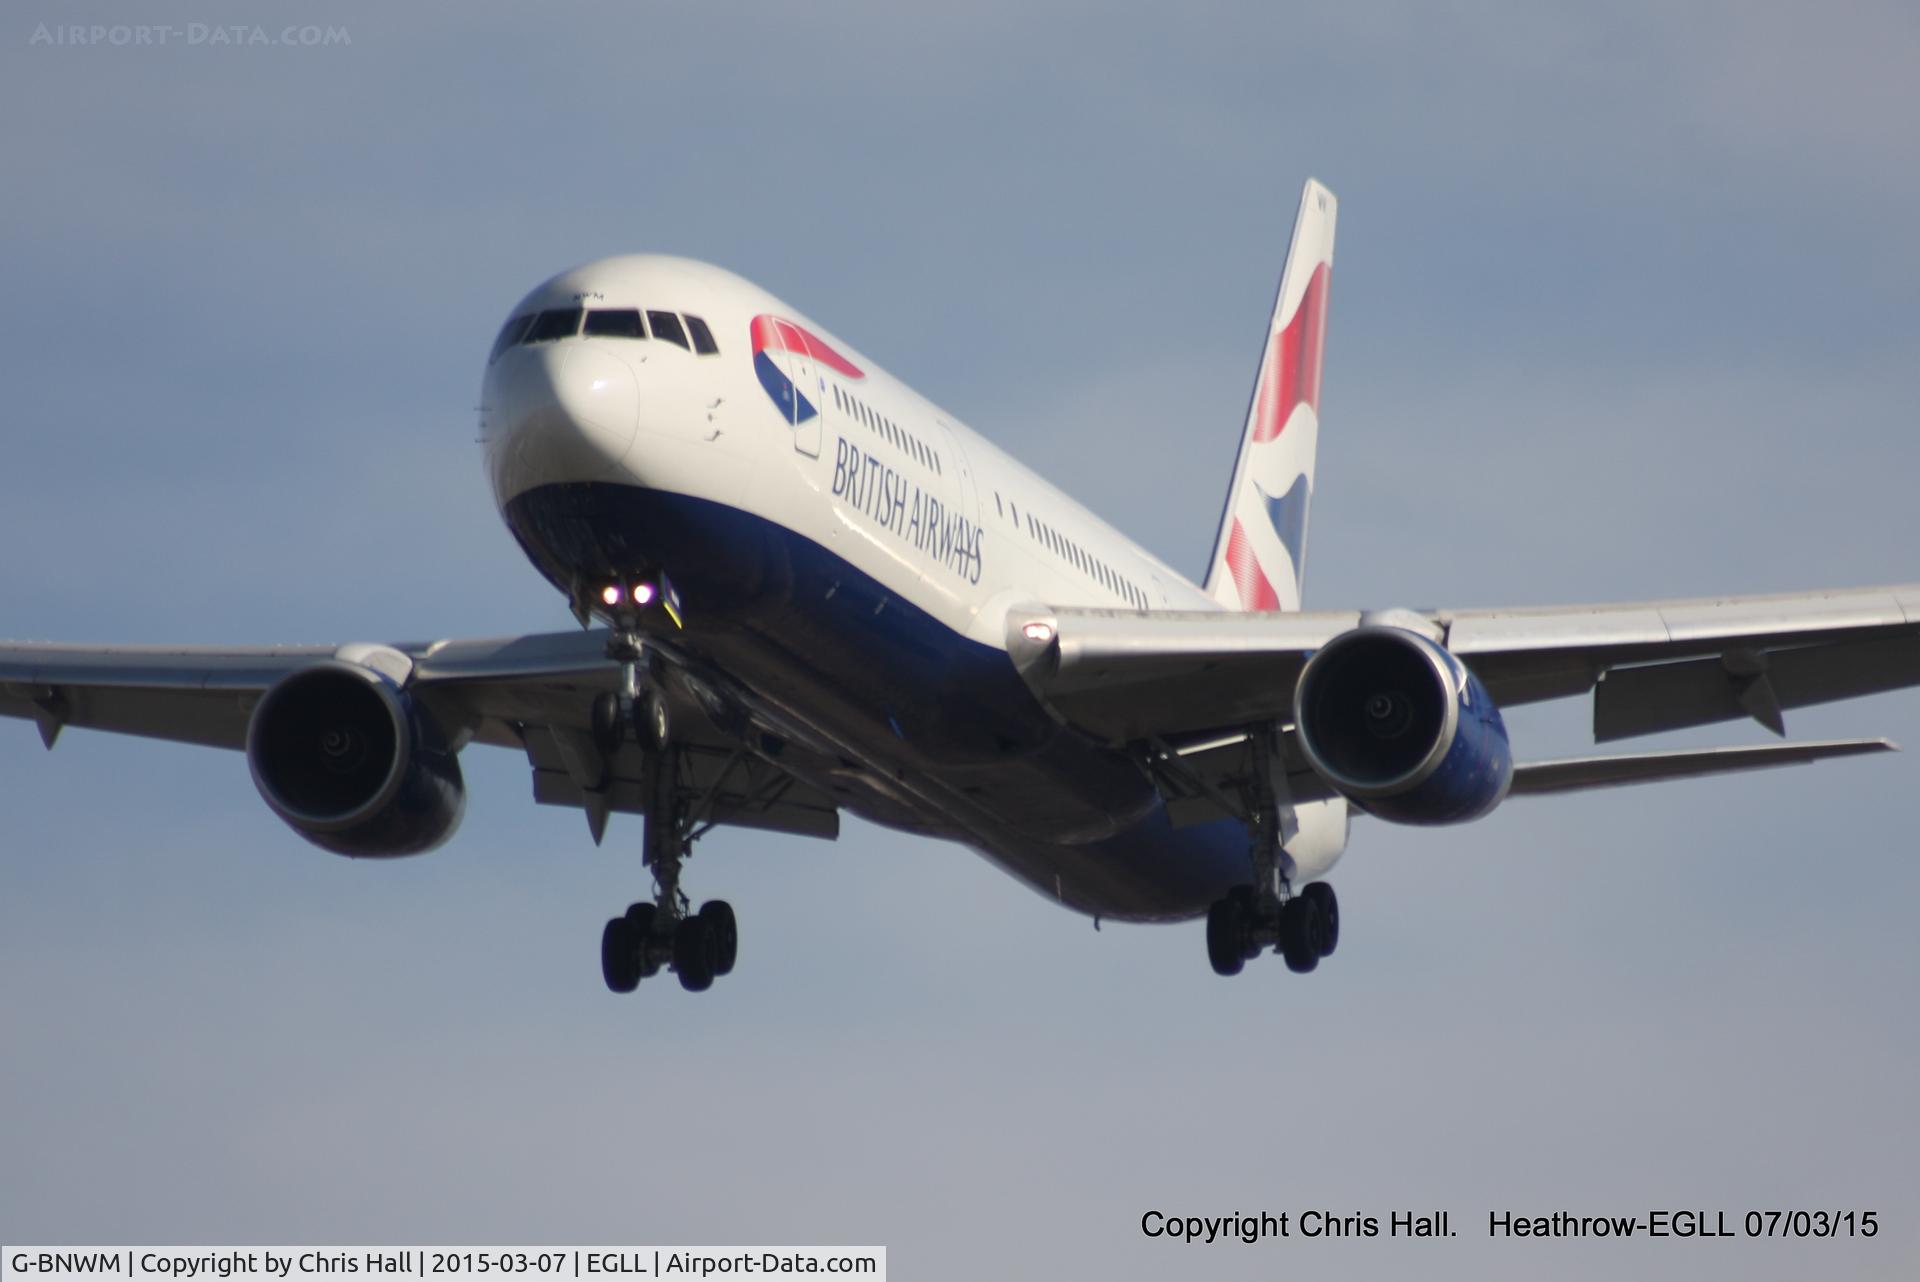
[1066,549]
[880,423]
[614,322]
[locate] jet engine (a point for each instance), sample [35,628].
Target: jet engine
[353,763]
[1401,727]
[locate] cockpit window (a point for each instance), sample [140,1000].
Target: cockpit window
[666,325]
[702,336]
[510,333]
[622,323]
[563,323]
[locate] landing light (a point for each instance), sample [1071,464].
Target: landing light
[610,594]
[642,593]
[1040,632]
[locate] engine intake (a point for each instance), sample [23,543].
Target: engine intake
[353,763]
[1399,725]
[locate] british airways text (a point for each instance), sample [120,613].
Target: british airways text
[900,506]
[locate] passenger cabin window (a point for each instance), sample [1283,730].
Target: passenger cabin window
[666,326]
[618,323]
[562,323]
[702,336]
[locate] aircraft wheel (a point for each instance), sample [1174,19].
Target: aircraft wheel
[718,914]
[609,727]
[651,720]
[1327,905]
[693,954]
[639,918]
[1227,935]
[1300,935]
[620,947]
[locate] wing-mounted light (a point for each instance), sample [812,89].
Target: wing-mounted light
[1033,641]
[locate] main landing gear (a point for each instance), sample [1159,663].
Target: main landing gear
[1302,927]
[666,932]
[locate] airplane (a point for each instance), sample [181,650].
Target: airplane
[805,590]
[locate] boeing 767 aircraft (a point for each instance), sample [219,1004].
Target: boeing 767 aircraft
[817,591]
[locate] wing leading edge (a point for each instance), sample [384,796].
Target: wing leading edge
[534,693]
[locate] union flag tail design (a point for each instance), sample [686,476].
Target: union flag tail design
[1260,553]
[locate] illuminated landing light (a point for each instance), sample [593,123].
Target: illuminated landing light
[610,595]
[1038,632]
[643,594]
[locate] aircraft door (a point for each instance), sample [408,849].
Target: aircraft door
[967,495]
[963,493]
[808,405]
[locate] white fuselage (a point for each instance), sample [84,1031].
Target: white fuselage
[786,434]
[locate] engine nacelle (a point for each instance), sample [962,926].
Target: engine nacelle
[1400,726]
[353,763]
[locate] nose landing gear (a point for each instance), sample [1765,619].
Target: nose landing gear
[665,933]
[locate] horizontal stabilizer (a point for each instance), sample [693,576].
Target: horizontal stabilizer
[1576,774]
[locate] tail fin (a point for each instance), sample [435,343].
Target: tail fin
[1260,553]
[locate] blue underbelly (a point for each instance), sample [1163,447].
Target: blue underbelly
[947,720]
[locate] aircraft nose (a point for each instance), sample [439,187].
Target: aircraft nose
[572,405]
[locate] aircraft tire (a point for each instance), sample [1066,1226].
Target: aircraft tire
[1227,935]
[693,949]
[1300,935]
[609,727]
[620,955]
[651,720]
[718,914]
[1327,904]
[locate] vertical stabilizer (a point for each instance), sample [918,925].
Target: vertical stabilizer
[1260,552]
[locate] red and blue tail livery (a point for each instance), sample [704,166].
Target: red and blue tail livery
[779,347]
[1260,553]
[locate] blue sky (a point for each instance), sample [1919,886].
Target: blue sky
[1623,307]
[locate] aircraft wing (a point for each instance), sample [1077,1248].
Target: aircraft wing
[534,693]
[189,694]
[1133,677]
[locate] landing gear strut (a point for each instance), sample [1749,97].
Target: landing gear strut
[1302,927]
[666,932]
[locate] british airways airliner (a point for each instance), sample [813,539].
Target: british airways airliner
[803,589]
